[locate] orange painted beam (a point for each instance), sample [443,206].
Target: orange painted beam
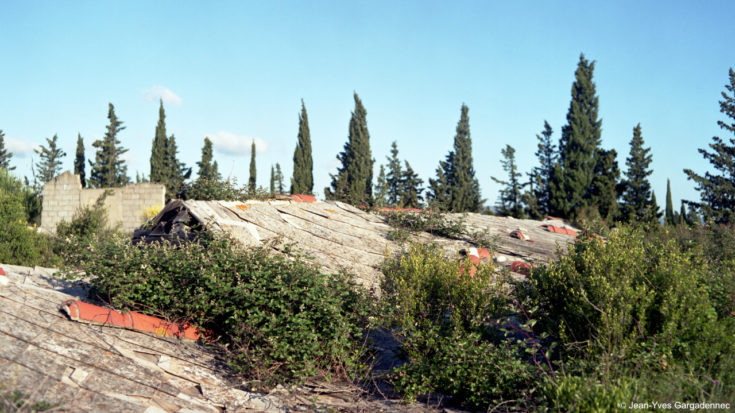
[89,313]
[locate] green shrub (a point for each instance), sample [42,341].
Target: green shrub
[19,243]
[87,222]
[423,288]
[447,324]
[580,394]
[278,318]
[477,373]
[637,309]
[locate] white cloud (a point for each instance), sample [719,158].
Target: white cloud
[159,92]
[20,148]
[231,144]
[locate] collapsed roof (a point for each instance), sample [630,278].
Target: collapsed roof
[338,236]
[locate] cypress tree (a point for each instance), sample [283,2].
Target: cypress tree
[670,218]
[303,180]
[273,180]
[80,161]
[636,188]
[580,139]
[279,178]
[410,188]
[394,176]
[4,154]
[353,182]
[509,202]
[381,189]
[251,180]
[544,173]
[207,168]
[605,184]
[109,169]
[160,166]
[177,171]
[464,188]
[49,164]
[717,190]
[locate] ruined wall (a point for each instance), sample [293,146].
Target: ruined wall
[64,195]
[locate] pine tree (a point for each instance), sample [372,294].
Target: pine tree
[303,180]
[410,188]
[381,189]
[394,176]
[49,164]
[464,188]
[208,169]
[160,166]
[438,195]
[531,206]
[652,214]
[717,190]
[636,196]
[279,178]
[544,173]
[273,181]
[80,161]
[580,140]
[509,202]
[109,169]
[4,154]
[670,218]
[353,182]
[605,184]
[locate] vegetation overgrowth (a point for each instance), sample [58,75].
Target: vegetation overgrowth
[647,314]
[278,319]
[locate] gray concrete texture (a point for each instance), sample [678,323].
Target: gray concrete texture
[64,196]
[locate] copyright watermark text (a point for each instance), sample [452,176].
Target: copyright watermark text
[675,406]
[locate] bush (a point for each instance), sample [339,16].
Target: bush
[19,244]
[88,221]
[448,324]
[636,310]
[278,318]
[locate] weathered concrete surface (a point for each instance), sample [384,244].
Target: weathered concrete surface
[338,236]
[64,195]
[80,367]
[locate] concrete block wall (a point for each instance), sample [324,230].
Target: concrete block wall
[64,195]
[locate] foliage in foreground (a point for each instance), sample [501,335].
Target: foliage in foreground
[647,315]
[447,324]
[278,318]
[639,318]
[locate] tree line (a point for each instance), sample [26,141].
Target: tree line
[575,176]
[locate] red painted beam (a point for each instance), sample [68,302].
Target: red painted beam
[85,312]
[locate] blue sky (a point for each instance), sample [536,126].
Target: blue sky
[237,71]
